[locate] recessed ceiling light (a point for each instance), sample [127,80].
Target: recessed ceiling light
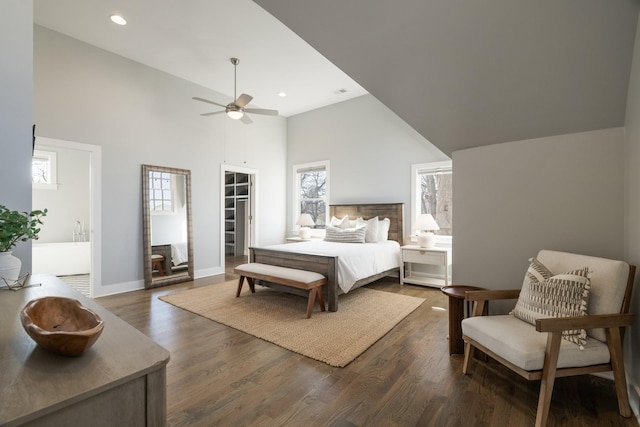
[282,94]
[118,19]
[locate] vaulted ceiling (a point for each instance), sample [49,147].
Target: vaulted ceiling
[467,73]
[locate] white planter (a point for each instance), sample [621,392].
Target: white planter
[9,266]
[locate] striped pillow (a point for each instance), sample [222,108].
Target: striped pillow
[560,295]
[345,235]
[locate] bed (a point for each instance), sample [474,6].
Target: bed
[306,256]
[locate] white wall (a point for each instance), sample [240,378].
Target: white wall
[16,84]
[632,218]
[70,202]
[370,150]
[140,115]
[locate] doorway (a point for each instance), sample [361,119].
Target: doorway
[67,183]
[238,228]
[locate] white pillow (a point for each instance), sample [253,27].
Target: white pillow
[371,235]
[383,229]
[340,223]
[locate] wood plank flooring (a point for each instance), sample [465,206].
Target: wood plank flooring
[218,376]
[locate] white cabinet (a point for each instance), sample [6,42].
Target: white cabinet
[413,254]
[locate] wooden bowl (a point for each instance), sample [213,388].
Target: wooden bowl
[61,325]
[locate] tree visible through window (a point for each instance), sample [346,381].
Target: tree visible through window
[312,191]
[436,198]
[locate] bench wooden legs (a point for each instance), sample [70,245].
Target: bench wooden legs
[314,294]
[252,285]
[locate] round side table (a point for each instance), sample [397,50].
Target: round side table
[457,295]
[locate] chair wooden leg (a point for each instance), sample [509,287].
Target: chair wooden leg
[252,285]
[468,349]
[240,283]
[617,363]
[548,377]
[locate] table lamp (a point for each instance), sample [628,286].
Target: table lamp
[426,224]
[305,221]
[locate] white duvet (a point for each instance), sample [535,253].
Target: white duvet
[356,261]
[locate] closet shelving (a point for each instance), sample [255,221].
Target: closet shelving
[236,188]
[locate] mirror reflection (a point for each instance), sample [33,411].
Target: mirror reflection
[168,254]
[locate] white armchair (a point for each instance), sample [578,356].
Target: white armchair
[538,352]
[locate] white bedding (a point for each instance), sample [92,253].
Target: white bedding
[355,260]
[179,253]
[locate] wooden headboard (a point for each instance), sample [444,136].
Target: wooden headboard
[393,211]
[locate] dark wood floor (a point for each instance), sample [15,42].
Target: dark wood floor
[219,376]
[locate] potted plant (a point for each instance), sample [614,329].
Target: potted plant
[16,227]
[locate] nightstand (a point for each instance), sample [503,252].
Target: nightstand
[414,254]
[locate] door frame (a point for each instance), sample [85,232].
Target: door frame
[95,200]
[253,205]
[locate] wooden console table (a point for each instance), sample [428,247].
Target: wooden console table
[121,380]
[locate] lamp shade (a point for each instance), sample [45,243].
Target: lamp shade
[426,222]
[305,220]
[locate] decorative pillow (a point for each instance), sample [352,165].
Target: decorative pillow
[347,235]
[560,295]
[340,223]
[537,272]
[371,236]
[383,229]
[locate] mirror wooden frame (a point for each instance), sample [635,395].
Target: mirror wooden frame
[149,280]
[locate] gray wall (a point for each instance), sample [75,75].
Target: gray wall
[370,150]
[16,84]
[70,202]
[563,193]
[632,216]
[140,115]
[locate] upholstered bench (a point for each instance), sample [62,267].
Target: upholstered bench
[300,279]
[157,263]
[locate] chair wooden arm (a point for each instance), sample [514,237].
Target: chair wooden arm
[556,324]
[492,294]
[482,297]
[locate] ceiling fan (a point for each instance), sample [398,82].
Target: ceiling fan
[236,109]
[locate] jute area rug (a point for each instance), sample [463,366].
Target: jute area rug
[336,338]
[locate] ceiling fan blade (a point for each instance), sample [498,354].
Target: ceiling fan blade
[211,114]
[208,102]
[243,100]
[246,120]
[261,111]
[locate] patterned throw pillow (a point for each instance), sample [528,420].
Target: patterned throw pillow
[345,235]
[561,295]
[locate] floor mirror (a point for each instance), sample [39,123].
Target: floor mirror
[166,223]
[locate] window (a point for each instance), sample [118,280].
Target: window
[161,192]
[43,170]
[312,191]
[432,189]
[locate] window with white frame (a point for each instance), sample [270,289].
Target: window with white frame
[161,192]
[44,170]
[311,191]
[432,191]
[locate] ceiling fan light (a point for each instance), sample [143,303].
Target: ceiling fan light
[235,114]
